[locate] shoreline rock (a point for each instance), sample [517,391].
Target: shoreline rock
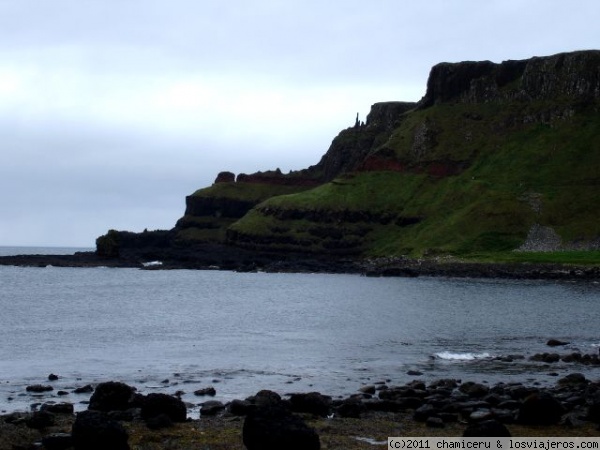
[448,405]
[221,257]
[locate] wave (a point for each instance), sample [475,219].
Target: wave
[468,356]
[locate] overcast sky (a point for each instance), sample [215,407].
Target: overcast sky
[112,111]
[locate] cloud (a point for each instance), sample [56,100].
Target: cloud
[112,112]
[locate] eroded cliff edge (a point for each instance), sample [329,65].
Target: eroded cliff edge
[495,158]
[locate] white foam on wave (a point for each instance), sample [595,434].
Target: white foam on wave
[468,356]
[152,264]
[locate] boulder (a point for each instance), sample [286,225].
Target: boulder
[556,343]
[211,408]
[38,388]
[540,409]
[275,428]
[474,389]
[93,430]
[58,408]
[154,405]
[352,408]
[311,403]
[210,391]
[111,396]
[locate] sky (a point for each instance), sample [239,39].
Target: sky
[112,111]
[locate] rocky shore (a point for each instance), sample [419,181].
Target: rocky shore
[220,257]
[117,416]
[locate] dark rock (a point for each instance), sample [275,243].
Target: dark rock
[159,422]
[162,404]
[111,396]
[422,413]
[40,419]
[211,408]
[265,398]
[555,343]
[128,415]
[275,428]
[58,408]
[312,403]
[368,389]
[352,408]
[87,389]
[93,430]
[488,428]
[573,379]
[240,407]
[540,409]
[225,177]
[448,417]
[548,358]
[474,389]
[211,391]
[414,373]
[57,441]
[52,377]
[434,422]
[39,388]
[480,415]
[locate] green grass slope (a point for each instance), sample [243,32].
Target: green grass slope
[464,179]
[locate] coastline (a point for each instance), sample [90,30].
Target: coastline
[302,263]
[363,420]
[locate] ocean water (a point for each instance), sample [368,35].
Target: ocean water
[181,330]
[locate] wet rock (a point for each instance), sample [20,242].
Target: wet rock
[38,388]
[474,389]
[488,428]
[240,407]
[573,379]
[58,408]
[111,396]
[548,358]
[274,428]
[210,391]
[540,409]
[93,430]
[154,405]
[368,390]
[265,398]
[556,343]
[414,373]
[87,389]
[211,408]
[52,377]
[311,403]
[480,415]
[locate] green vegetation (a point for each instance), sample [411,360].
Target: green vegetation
[507,167]
[246,191]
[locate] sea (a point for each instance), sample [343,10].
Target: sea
[177,331]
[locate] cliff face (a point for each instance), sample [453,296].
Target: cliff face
[573,76]
[490,153]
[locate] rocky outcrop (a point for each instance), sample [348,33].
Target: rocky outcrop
[574,76]
[350,148]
